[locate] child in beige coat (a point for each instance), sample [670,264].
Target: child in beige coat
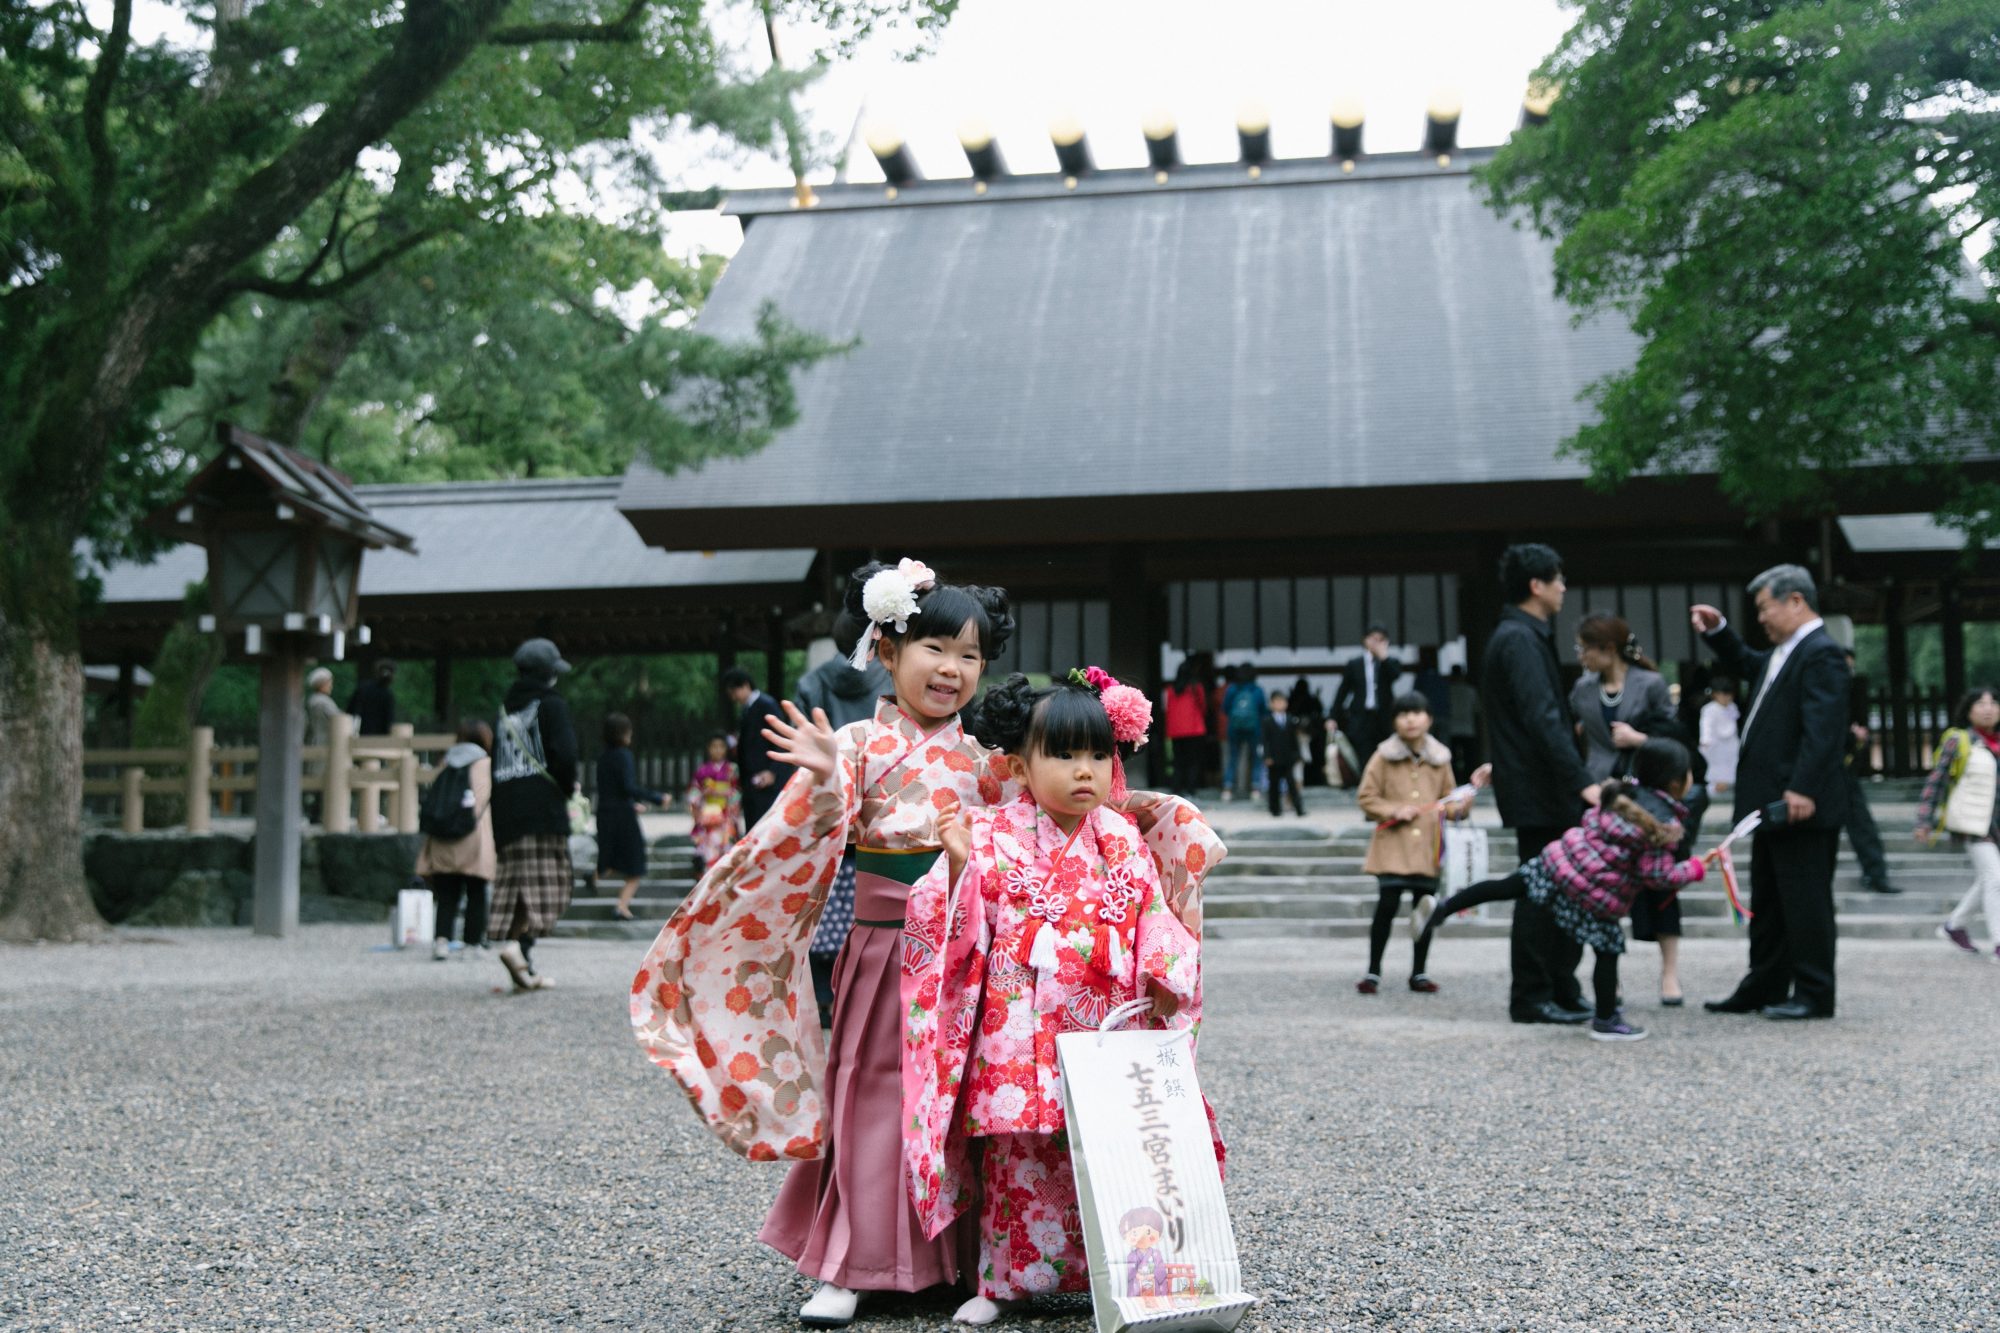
[461,869]
[1401,786]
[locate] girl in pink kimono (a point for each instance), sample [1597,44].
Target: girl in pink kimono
[1046,913]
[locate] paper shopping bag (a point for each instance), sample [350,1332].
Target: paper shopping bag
[415,918]
[1465,861]
[1155,1226]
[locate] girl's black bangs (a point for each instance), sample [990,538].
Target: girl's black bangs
[1069,720]
[945,610]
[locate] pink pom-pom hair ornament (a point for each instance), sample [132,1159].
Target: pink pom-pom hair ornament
[1131,714]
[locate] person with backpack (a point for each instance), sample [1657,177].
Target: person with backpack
[456,819]
[534,772]
[1959,799]
[1244,707]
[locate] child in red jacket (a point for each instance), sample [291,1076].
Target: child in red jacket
[1588,878]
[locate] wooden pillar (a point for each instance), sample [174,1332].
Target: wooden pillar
[132,800]
[128,693]
[335,810]
[406,778]
[1896,644]
[725,658]
[441,701]
[1137,626]
[1952,632]
[201,745]
[774,655]
[280,736]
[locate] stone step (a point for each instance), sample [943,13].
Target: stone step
[1853,926]
[1229,906]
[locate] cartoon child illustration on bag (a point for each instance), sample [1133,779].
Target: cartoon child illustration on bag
[1147,1271]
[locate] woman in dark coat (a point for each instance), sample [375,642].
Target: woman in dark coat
[621,846]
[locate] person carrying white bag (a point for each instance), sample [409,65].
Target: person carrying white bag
[1043,916]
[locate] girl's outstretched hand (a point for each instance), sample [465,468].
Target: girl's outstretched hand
[803,744]
[954,833]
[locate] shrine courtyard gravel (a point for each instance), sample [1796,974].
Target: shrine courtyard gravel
[205,1130]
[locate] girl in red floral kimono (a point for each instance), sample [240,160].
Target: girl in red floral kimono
[724,999]
[1045,914]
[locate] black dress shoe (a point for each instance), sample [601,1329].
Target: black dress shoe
[1732,1005]
[1793,1010]
[1884,888]
[1551,1012]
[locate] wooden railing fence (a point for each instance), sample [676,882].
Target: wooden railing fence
[364,782]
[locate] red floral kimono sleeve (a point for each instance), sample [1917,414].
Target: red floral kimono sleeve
[723,1000]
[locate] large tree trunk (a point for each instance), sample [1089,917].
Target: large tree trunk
[42,891]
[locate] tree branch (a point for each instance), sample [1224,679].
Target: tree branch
[623,28]
[302,288]
[97,109]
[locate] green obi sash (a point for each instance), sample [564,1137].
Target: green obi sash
[905,866]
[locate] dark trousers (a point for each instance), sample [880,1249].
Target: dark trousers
[1388,903]
[757,801]
[1791,919]
[448,891]
[1864,836]
[1603,976]
[1276,777]
[1541,955]
[1189,753]
[1462,758]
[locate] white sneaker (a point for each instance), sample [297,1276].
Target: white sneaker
[982,1310]
[516,964]
[440,950]
[830,1307]
[1420,915]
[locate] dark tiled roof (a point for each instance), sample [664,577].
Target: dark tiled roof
[1307,332]
[500,537]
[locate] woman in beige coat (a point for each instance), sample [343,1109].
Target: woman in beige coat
[462,868]
[1403,781]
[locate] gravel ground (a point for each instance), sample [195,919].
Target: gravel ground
[206,1131]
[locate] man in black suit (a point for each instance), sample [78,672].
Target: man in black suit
[1539,779]
[761,776]
[1790,767]
[1362,706]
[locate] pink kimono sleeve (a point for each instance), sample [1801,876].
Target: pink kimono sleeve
[945,942]
[723,1000]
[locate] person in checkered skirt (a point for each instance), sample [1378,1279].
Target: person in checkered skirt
[534,772]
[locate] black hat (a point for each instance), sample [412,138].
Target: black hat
[540,656]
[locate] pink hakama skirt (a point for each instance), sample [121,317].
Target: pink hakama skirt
[846,1217]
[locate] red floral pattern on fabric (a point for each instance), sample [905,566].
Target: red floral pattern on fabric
[979,1042]
[715,1001]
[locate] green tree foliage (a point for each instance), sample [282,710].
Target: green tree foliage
[393,190]
[1775,195]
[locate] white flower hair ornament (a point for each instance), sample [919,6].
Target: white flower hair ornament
[890,598]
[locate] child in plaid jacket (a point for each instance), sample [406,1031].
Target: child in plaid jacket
[1588,878]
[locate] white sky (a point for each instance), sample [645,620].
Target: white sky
[1016,63]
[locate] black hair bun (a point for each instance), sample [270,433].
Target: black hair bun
[856,582]
[999,616]
[1001,722]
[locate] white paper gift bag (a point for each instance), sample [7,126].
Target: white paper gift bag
[1466,861]
[1155,1225]
[415,919]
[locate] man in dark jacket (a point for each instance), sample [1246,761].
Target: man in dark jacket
[846,695]
[761,776]
[373,701]
[1539,779]
[1363,705]
[1281,753]
[1790,768]
[534,772]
